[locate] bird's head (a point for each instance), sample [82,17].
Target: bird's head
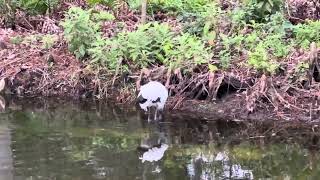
[142,102]
[141,99]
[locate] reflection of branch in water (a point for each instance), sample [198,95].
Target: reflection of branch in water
[198,166]
[6,162]
[2,104]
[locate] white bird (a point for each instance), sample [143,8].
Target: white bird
[153,94]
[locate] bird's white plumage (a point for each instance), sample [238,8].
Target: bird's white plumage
[151,92]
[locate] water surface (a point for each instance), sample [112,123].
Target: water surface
[83,141]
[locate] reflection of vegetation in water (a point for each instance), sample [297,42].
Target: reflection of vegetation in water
[109,140]
[280,160]
[63,142]
[33,125]
[60,141]
[277,160]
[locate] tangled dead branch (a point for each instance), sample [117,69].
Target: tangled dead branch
[285,96]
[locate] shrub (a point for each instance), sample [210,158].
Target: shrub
[307,33]
[150,44]
[187,51]
[177,6]
[143,47]
[257,10]
[37,6]
[106,52]
[270,37]
[201,23]
[260,60]
[109,3]
[48,41]
[32,6]
[232,45]
[81,29]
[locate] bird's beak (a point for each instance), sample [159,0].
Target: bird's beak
[141,100]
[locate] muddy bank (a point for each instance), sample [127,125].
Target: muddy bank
[35,62]
[29,70]
[232,108]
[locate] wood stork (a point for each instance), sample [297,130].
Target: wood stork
[152,94]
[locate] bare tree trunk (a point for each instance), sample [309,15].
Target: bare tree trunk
[143,11]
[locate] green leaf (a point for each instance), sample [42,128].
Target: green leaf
[212,68]
[82,50]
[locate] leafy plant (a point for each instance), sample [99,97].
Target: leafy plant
[307,33]
[16,40]
[239,16]
[48,41]
[212,68]
[277,46]
[301,68]
[177,6]
[259,59]
[144,46]
[187,51]
[81,29]
[102,16]
[106,52]
[202,23]
[232,45]
[105,2]
[32,40]
[152,43]
[112,4]
[138,44]
[37,6]
[260,10]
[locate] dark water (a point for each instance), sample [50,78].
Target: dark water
[41,140]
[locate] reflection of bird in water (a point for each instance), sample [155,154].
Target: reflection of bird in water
[152,94]
[148,143]
[157,135]
[154,154]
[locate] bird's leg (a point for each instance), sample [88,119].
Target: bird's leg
[155,114]
[160,113]
[149,115]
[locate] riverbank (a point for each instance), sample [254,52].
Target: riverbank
[213,63]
